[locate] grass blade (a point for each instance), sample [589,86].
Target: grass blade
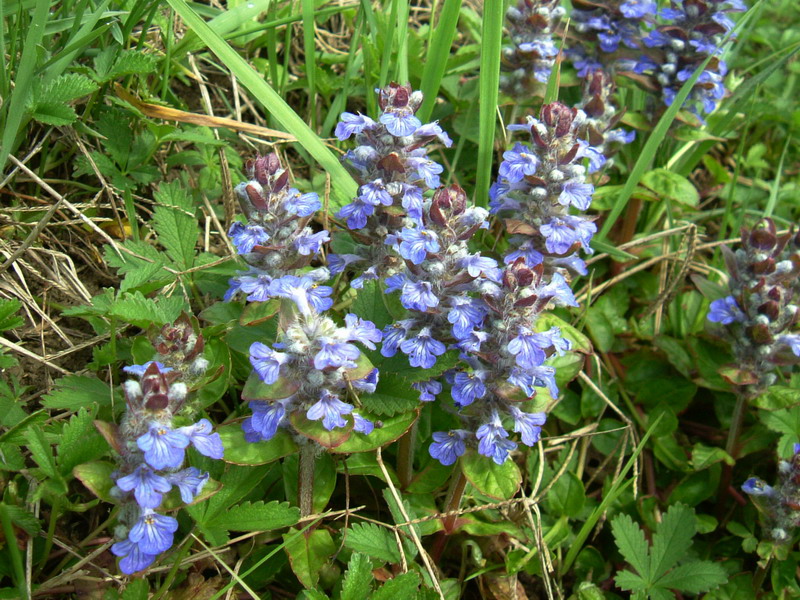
[310,51]
[401,75]
[491,44]
[436,59]
[343,186]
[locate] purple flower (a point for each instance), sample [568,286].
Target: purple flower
[792,340]
[528,348]
[330,409]
[475,264]
[559,236]
[434,130]
[257,286]
[558,289]
[203,438]
[147,486]
[359,330]
[518,163]
[393,336]
[418,296]
[725,311]
[636,9]
[153,532]
[468,387]
[529,425]
[163,448]
[138,370]
[400,123]
[417,243]
[335,354]
[310,244]
[756,487]
[375,193]
[426,170]
[304,291]
[472,343]
[577,194]
[338,262]
[448,446]
[302,205]
[267,362]
[356,213]
[369,383]
[190,482]
[266,418]
[412,201]
[362,425]
[428,390]
[133,559]
[493,440]
[532,256]
[246,237]
[352,124]
[466,314]
[422,349]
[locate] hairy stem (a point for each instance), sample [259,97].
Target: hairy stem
[454,495]
[405,456]
[305,479]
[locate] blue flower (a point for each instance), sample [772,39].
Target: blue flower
[302,205]
[190,482]
[203,438]
[528,348]
[422,349]
[493,440]
[352,124]
[468,387]
[267,362]
[393,336]
[636,9]
[558,289]
[311,244]
[375,193]
[412,201]
[304,291]
[133,559]
[434,130]
[725,311]
[577,194]
[465,315]
[330,409]
[400,123]
[526,250]
[337,263]
[356,213]
[138,370]
[792,340]
[417,243]
[359,330]
[427,170]
[267,417]
[153,533]
[448,446]
[246,237]
[559,236]
[518,163]
[163,448]
[475,264]
[362,425]
[472,343]
[529,425]
[428,390]
[335,354]
[756,487]
[418,296]
[369,383]
[545,376]
[257,286]
[147,486]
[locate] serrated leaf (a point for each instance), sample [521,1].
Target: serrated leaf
[694,577]
[130,62]
[357,583]
[8,317]
[255,389]
[315,430]
[134,308]
[54,113]
[11,458]
[241,452]
[237,482]
[308,553]
[176,224]
[149,269]
[671,186]
[401,586]
[373,540]
[80,442]
[23,519]
[67,87]
[490,479]
[76,391]
[256,516]
[398,365]
[628,580]
[672,539]
[393,395]
[370,304]
[632,545]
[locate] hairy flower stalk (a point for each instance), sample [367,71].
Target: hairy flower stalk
[152,446]
[527,63]
[779,505]
[391,164]
[687,34]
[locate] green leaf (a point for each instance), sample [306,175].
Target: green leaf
[490,479]
[74,392]
[54,113]
[579,342]
[315,430]
[671,186]
[80,442]
[393,395]
[241,452]
[401,586]
[632,545]
[176,224]
[391,429]
[308,553]
[370,304]
[778,397]
[149,269]
[256,516]
[567,495]
[8,317]
[66,88]
[128,62]
[255,389]
[630,581]
[96,476]
[373,540]
[672,539]
[42,452]
[23,519]
[704,456]
[357,583]
[437,55]
[134,308]
[137,589]
[694,577]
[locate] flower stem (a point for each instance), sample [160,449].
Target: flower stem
[405,456]
[305,479]
[731,447]
[454,495]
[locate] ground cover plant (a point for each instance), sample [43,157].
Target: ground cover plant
[437,299]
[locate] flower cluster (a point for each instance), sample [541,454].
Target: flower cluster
[539,182]
[277,238]
[391,164]
[314,363]
[152,449]
[689,33]
[527,63]
[760,313]
[780,505]
[602,28]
